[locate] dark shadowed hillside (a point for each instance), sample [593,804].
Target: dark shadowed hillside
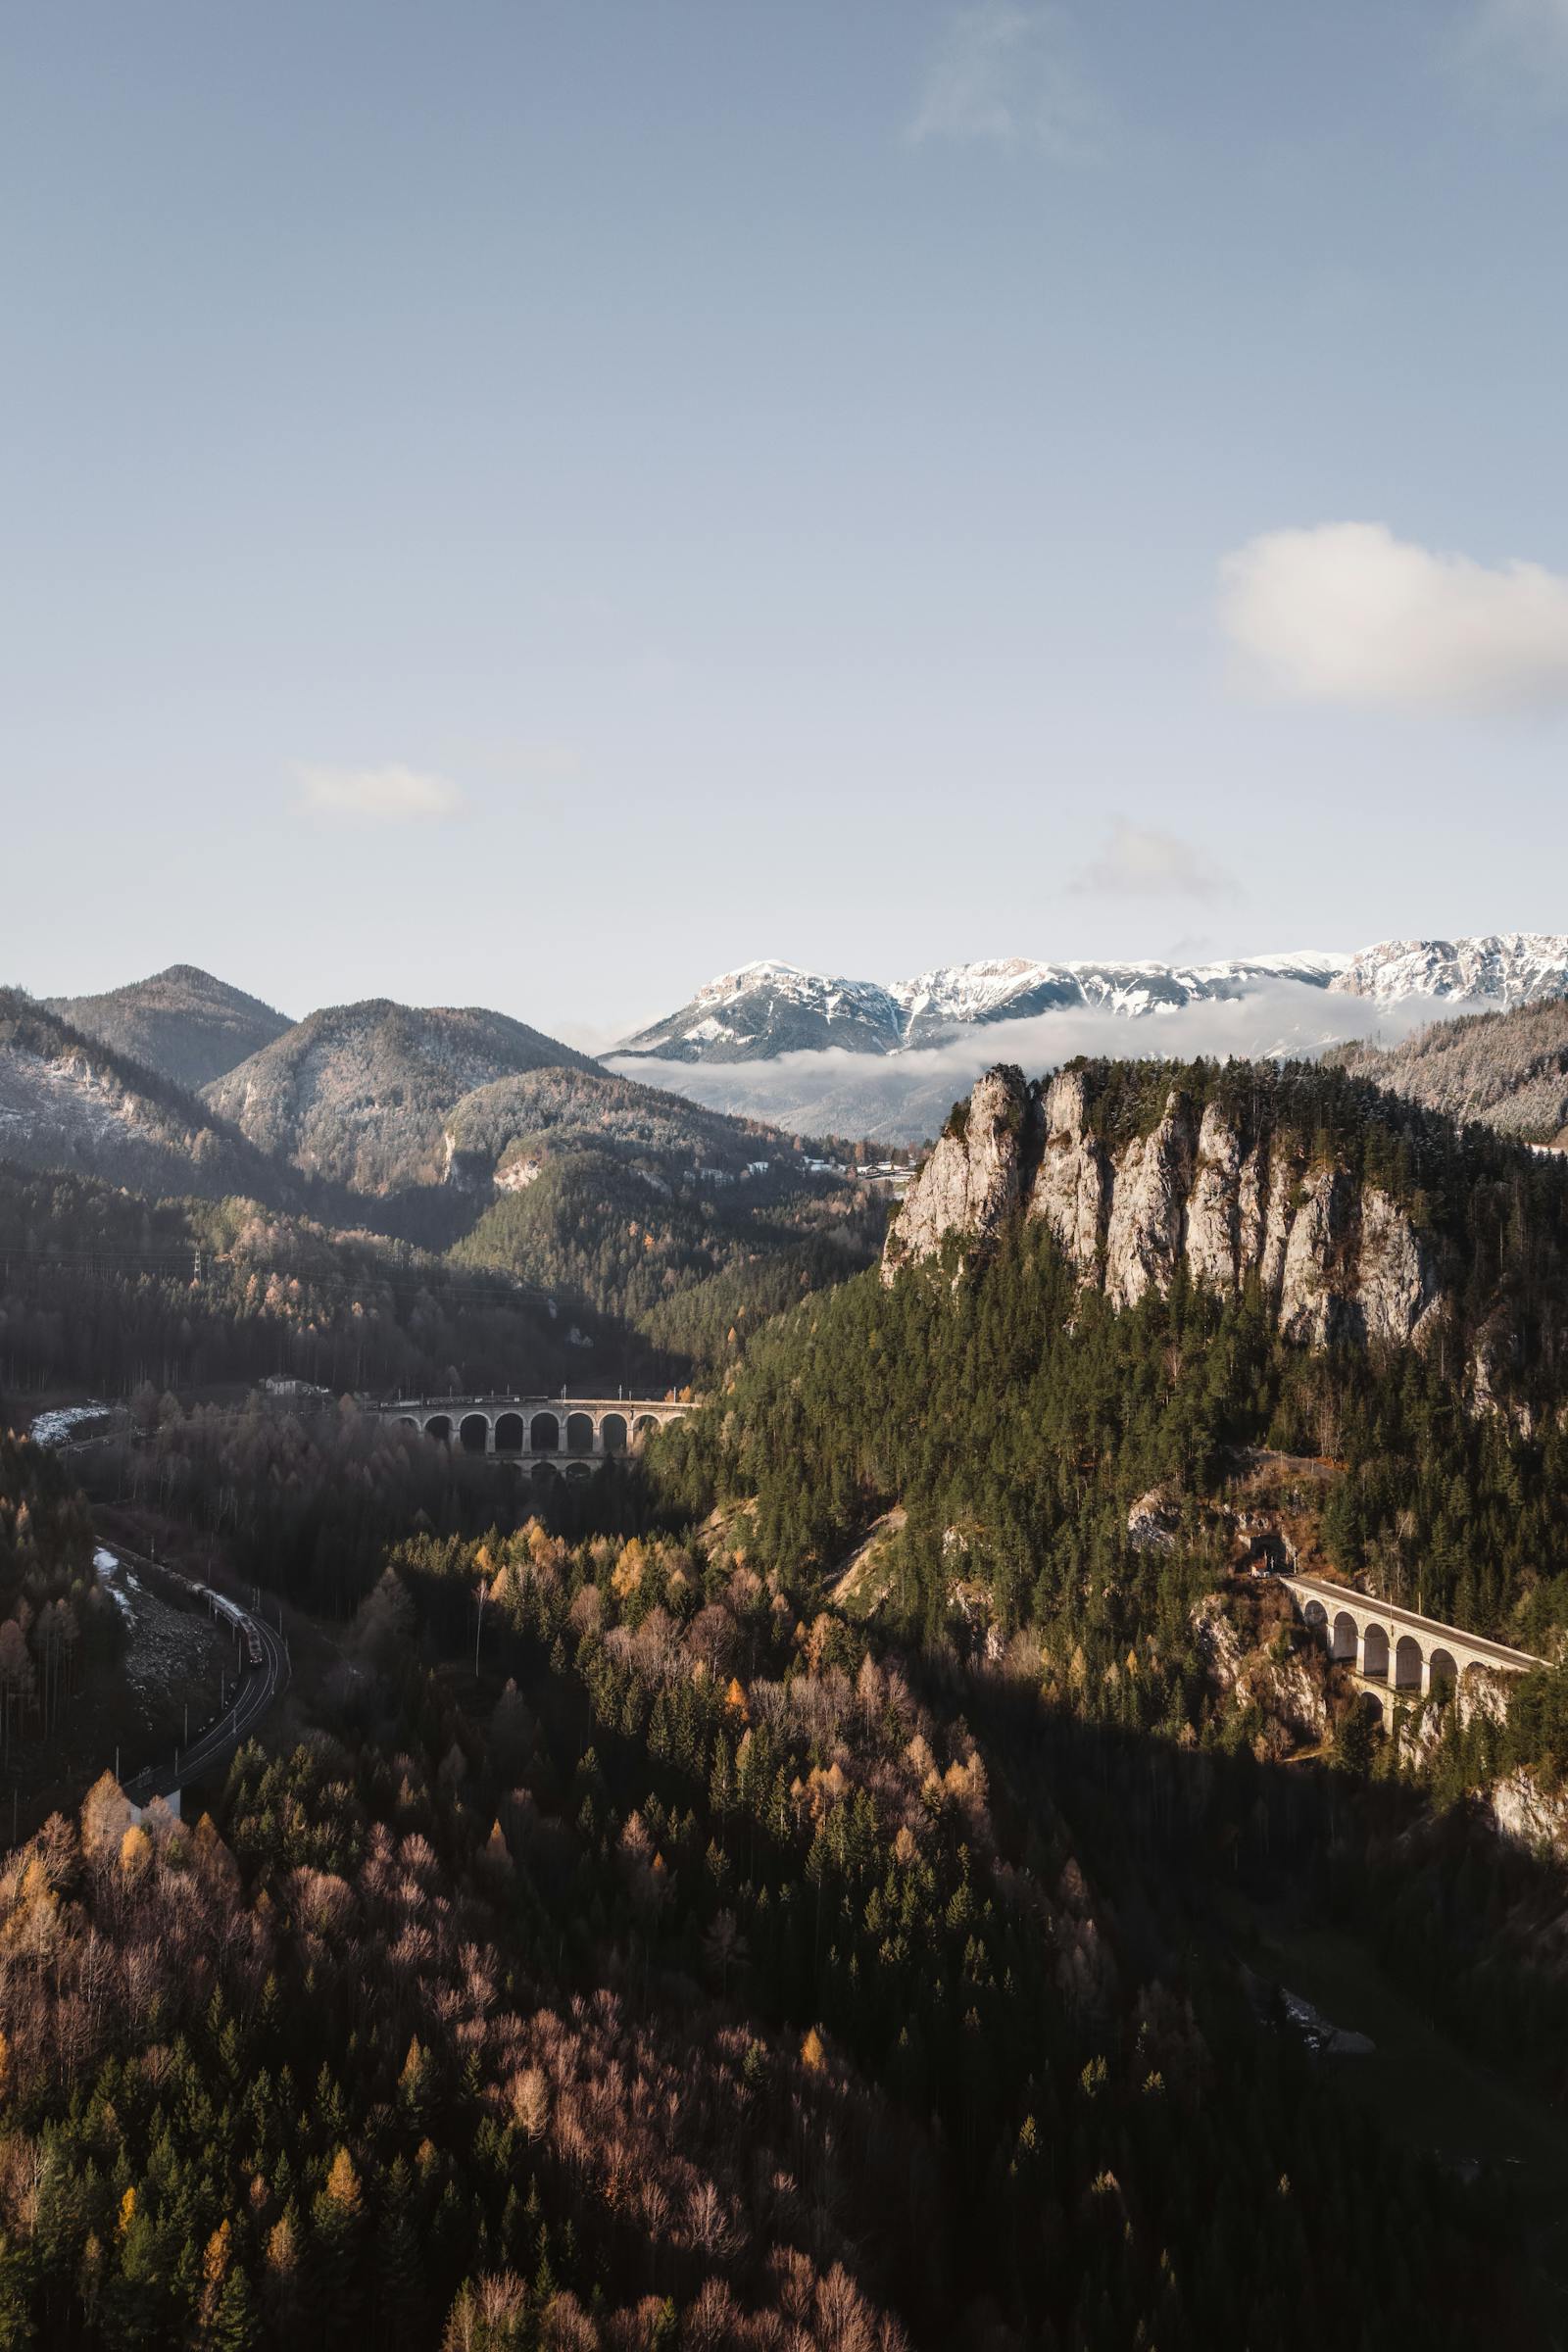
[180,1022]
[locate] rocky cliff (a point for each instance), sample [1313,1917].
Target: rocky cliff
[1227,1191]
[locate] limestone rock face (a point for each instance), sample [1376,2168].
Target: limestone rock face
[1332,1259]
[1215,1216]
[1148,1207]
[1310,1306]
[1071,1184]
[1396,1288]
[974,1180]
[1526,1815]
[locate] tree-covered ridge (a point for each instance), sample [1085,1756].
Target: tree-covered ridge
[181,1022]
[704,1994]
[360,1093]
[1508,1070]
[1018,1416]
[501,1127]
[105,1290]
[691,1266]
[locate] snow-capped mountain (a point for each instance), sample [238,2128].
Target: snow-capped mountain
[828,1056]
[1489,974]
[766,1009]
[959,996]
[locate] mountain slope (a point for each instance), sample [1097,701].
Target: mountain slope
[501,1132]
[687,1225]
[180,1022]
[1508,1069]
[67,1102]
[360,1093]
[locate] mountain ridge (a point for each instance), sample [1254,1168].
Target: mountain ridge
[360,1092]
[182,1022]
[767,1009]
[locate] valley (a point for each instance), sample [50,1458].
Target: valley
[839,1603]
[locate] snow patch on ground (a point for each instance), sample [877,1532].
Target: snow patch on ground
[58,1427]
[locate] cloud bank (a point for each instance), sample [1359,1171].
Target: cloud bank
[904,1097]
[378,795]
[1346,613]
[1010,75]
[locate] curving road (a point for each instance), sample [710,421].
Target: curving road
[260,1686]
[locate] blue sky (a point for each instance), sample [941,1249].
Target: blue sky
[537,504]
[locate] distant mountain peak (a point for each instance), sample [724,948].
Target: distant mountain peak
[181,1022]
[764,1010]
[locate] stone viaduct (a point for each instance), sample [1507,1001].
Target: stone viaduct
[572,1435]
[1396,1657]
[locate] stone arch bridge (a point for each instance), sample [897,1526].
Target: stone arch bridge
[1395,1656]
[569,1434]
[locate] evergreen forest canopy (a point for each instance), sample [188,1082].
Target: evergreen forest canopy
[724,1977]
[1018,1415]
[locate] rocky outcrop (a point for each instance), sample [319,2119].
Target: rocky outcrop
[1070,1191]
[1528,1814]
[1254,1671]
[1151,1178]
[973,1182]
[1333,1258]
[1152,1521]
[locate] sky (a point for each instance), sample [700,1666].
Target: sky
[538,504]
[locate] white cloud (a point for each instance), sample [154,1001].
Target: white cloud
[378,795]
[1139,862]
[1010,73]
[1346,613]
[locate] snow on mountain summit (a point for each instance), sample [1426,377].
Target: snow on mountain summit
[766,1008]
[1492,972]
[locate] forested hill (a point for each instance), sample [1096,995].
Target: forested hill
[1108,1285]
[359,1093]
[1356,1216]
[103,1292]
[180,1022]
[70,1102]
[1509,1070]
[699,1982]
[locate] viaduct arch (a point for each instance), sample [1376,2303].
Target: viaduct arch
[570,1435]
[1396,1655]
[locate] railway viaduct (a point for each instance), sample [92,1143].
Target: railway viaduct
[1396,1657]
[569,1434]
